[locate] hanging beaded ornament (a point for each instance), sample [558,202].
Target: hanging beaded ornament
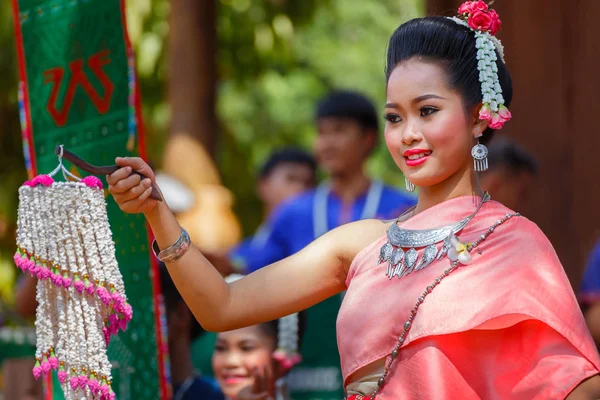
[64,240]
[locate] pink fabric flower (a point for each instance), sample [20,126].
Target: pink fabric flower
[480,20]
[46,367]
[89,287]
[466,7]
[104,295]
[66,281]
[37,370]
[496,23]
[123,324]
[17,259]
[496,122]
[56,279]
[53,362]
[28,183]
[479,6]
[44,180]
[79,286]
[94,386]
[119,301]
[105,390]
[92,181]
[28,265]
[74,382]
[504,113]
[486,112]
[470,7]
[128,311]
[45,273]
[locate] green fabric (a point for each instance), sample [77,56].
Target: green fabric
[319,377]
[202,351]
[57,35]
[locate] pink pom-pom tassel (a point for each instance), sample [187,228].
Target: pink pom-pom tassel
[62,377]
[45,273]
[37,371]
[92,181]
[128,311]
[119,301]
[123,324]
[94,386]
[66,281]
[45,367]
[104,295]
[27,265]
[74,382]
[53,362]
[90,289]
[83,380]
[44,180]
[105,390]
[17,259]
[79,286]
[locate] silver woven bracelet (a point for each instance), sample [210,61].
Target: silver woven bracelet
[175,251]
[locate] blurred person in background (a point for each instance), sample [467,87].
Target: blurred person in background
[182,329]
[589,294]
[512,171]
[248,363]
[347,132]
[285,174]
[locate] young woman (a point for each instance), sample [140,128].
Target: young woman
[459,298]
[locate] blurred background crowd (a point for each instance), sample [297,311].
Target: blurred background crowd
[249,104]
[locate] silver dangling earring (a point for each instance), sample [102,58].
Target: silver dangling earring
[480,153]
[409,185]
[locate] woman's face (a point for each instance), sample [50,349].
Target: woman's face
[236,354]
[428,131]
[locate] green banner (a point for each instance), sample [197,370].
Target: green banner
[78,88]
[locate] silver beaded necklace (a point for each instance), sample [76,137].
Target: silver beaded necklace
[400,250]
[413,312]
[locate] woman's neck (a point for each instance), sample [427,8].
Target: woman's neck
[463,183]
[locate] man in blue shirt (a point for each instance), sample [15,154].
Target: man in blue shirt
[589,295]
[347,126]
[286,173]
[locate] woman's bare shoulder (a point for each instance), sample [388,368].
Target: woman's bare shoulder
[352,238]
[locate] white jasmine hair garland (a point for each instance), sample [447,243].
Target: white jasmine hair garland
[64,240]
[485,23]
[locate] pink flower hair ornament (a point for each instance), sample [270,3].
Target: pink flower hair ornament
[485,23]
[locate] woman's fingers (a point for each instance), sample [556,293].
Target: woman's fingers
[118,175]
[124,185]
[137,164]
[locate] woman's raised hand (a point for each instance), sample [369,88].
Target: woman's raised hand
[131,192]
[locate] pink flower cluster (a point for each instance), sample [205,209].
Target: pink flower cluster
[46,180]
[497,119]
[286,359]
[100,389]
[122,311]
[480,17]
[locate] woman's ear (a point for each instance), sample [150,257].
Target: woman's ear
[478,125]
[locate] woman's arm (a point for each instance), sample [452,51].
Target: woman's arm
[586,390]
[295,283]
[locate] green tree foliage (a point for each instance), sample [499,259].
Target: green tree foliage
[276,59]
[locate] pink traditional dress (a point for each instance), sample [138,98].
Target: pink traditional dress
[506,326]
